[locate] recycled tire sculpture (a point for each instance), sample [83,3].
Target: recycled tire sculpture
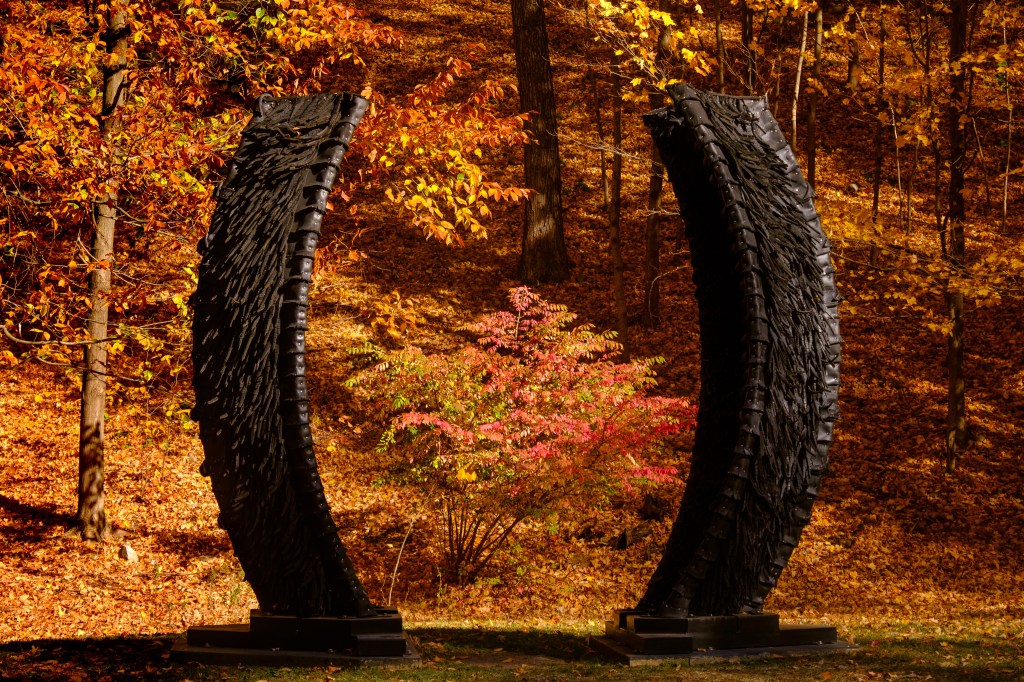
[769,389]
[251,398]
[768,310]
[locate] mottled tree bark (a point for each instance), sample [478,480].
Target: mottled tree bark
[544,257]
[91,516]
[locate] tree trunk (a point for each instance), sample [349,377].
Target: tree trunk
[652,242]
[614,216]
[1009,136]
[880,130]
[91,516]
[544,257]
[747,39]
[652,234]
[956,423]
[606,187]
[720,45]
[812,100]
[799,72]
[1006,175]
[853,69]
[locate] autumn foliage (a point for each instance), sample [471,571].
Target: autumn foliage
[192,67]
[536,416]
[484,412]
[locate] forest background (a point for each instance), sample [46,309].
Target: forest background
[917,531]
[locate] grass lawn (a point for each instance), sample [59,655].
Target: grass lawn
[507,651]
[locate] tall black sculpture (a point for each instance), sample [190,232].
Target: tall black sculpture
[768,309]
[251,401]
[769,388]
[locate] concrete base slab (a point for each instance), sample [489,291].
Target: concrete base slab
[283,640]
[182,651]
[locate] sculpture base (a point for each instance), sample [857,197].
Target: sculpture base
[292,641]
[638,638]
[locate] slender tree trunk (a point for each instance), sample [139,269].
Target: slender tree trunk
[747,39]
[880,130]
[956,414]
[544,257]
[853,68]
[1009,137]
[936,149]
[956,423]
[720,45]
[606,187]
[598,119]
[940,223]
[652,234]
[615,214]
[652,242]
[775,65]
[911,178]
[91,515]
[799,72]
[1006,175]
[812,100]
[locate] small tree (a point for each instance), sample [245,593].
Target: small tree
[535,417]
[91,516]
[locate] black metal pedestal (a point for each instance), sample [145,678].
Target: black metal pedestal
[292,641]
[638,638]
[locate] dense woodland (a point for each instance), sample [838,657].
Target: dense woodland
[504,146]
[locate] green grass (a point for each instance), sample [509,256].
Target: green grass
[909,651]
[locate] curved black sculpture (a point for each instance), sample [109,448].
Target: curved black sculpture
[249,356]
[769,384]
[769,353]
[252,406]
[768,309]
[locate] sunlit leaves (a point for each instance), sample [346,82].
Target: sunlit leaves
[632,28]
[179,118]
[426,153]
[532,416]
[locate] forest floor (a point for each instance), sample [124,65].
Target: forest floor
[922,568]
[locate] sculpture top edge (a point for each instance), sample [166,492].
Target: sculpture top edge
[681,91]
[268,110]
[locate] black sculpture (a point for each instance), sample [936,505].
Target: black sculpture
[768,309]
[251,401]
[769,388]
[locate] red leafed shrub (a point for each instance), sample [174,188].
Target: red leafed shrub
[536,416]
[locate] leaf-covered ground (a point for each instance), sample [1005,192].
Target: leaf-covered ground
[923,568]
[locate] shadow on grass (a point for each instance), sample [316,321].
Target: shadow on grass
[77,660]
[456,653]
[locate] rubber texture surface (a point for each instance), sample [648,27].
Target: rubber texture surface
[768,309]
[249,356]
